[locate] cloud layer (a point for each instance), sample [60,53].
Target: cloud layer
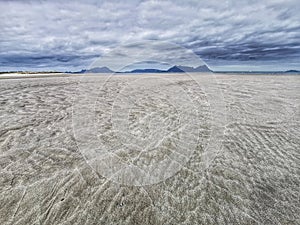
[68,35]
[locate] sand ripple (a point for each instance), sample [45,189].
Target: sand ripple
[254,179]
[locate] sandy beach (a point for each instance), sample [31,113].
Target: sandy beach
[147,149]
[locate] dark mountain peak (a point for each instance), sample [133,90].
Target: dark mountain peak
[181,69]
[147,71]
[175,69]
[292,71]
[96,70]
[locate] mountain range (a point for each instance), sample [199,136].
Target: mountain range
[173,69]
[96,70]
[188,69]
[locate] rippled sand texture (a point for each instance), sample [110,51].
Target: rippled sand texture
[46,177]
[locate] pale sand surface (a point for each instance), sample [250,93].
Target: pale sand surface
[253,179]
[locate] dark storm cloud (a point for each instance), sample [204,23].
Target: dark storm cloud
[251,51]
[42,60]
[70,34]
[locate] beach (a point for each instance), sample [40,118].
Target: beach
[150,149]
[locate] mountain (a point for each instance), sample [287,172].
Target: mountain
[182,69]
[146,71]
[97,70]
[292,71]
[173,69]
[203,68]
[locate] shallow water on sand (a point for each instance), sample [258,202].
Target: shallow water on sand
[49,175]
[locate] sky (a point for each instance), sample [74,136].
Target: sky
[226,35]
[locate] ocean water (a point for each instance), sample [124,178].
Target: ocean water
[150,149]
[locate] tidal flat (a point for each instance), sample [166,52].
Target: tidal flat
[150,149]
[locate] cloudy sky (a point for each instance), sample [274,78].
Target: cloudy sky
[227,35]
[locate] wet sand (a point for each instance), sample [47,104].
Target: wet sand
[48,175]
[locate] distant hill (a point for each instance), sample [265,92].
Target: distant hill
[100,70]
[146,71]
[97,70]
[292,71]
[173,69]
[182,69]
[203,68]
